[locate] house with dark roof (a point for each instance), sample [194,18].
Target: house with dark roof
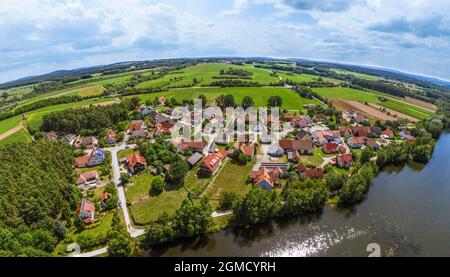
[50,136]
[86,211]
[135,163]
[87,180]
[304,147]
[194,159]
[303,135]
[245,148]
[344,160]
[195,146]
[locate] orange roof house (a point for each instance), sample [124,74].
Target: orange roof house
[136,162]
[266,178]
[211,163]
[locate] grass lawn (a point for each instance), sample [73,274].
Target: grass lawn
[372,97]
[149,209]
[316,159]
[232,179]
[291,100]
[141,186]
[303,77]
[21,135]
[194,183]
[17,91]
[8,124]
[125,152]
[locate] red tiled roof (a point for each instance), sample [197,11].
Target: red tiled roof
[314,173]
[134,159]
[388,133]
[329,147]
[81,161]
[345,158]
[86,176]
[265,174]
[212,161]
[192,144]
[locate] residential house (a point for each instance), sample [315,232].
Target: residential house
[161,100]
[194,159]
[87,142]
[275,150]
[164,128]
[70,139]
[50,136]
[293,156]
[360,118]
[110,138]
[344,160]
[376,130]
[212,162]
[301,121]
[360,131]
[356,142]
[245,148]
[345,131]
[87,211]
[88,179]
[95,157]
[388,134]
[349,113]
[342,149]
[305,147]
[330,148]
[310,172]
[195,146]
[320,118]
[303,135]
[404,134]
[135,162]
[265,177]
[288,117]
[373,143]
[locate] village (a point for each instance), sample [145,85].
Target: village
[305,146]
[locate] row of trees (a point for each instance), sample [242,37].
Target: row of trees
[92,120]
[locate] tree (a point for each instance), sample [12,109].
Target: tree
[256,206]
[247,101]
[157,186]
[160,231]
[79,224]
[227,200]
[366,154]
[228,101]
[204,100]
[335,181]
[5,95]
[193,219]
[177,172]
[120,243]
[124,178]
[353,190]
[304,200]
[274,101]
[220,101]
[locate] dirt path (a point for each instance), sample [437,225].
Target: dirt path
[12,131]
[393,113]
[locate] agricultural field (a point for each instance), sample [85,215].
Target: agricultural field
[21,135]
[356,74]
[8,124]
[394,103]
[16,91]
[303,77]
[205,72]
[291,100]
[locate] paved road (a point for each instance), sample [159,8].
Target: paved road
[92,253]
[121,192]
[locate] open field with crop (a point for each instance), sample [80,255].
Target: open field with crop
[394,103]
[358,75]
[291,100]
[17,91]
[205,72]
[425,105]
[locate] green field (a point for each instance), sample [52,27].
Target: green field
[358,75]
[21,135]
[35,117]
[372,97]
[149,209]
[8,124]
[232,179]
[17,91]
[140,188]
[205,73]
[303,77]
[291,100]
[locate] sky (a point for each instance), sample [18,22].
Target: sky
[40,36]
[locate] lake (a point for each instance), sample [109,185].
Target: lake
[406,212]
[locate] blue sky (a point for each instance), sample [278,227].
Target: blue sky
[39,36]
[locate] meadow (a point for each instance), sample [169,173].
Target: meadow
[291,100]
[21,135]
[394,103]
[205,72]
